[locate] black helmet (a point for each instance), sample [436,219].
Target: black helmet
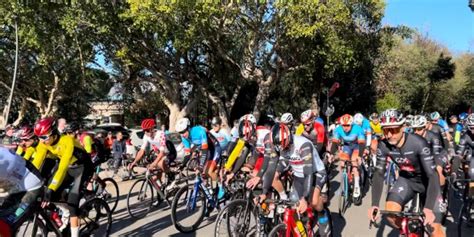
[71,127]
[281,136]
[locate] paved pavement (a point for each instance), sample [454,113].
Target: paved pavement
[158,221]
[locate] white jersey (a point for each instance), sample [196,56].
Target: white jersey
[14,174]
[262,132]
[157,143]
[300,149]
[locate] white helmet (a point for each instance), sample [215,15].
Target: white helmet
[419,121]
[391,118]
[249,117]
[358,118]
[470,120]
[286,118]
[307,116]
[182,125]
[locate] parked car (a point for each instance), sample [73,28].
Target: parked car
[112,127]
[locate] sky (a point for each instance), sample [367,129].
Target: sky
[449,22]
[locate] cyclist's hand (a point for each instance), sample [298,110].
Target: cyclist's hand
[366,151]
[429,216]
[302,206]
[131,165]
[371,214]
[253,182]
[47,198]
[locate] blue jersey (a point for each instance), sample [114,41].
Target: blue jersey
[319,120]
[222,136]
[355,135]
[197,137]
[443,124]
[366,126]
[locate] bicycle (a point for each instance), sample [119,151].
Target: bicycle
[106,189]
[345,198]
[467,206]
[148,192]
[294,224]
[391,175]
[37,221]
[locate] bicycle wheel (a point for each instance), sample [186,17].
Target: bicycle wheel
[95,218]
[191,166]
[140,198]
[236,219]
[32,227]
[185,218]
[344,197]
[108,190]
[278,231]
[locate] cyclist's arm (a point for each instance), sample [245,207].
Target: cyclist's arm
[235,153]
[241,158]
[270,172]
[306,154]
[378,178]
[67,147]
[361,141]
[29,153]
[19,150]
[436,146]
[204,148]
[88,144]
[429,166]
[267,154]
[335,142]
[39,156]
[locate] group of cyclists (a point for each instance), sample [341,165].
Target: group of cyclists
[426,150]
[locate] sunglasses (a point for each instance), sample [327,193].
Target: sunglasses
[391,130]
[347,125]
[44,137]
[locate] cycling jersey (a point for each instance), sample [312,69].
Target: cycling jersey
[17,174]
[417,167]
[376,129]
[317,135]
[86,142]
[467,141]
[433,142]
[197,136]
[304,161]
[157,143]
[222,136]
[436,129]
[234,133]
[349,139]
[443,124]
[456,131]
[67,150]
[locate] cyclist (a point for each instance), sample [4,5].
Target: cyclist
[28,143]
[75,166]
[351,137]
[434,127]
[440,154]
[288,120]
[466,142]
[364,123]
[222,135]
[313,130]
[309,174]
[155,140]
[376,131]
[417,173]
[20,184]
[262,139]
[455,129]
[209,146]
[435,118]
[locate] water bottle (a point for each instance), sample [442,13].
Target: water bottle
[20,210]
[55,216]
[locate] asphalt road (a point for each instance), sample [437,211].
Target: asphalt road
[158,221]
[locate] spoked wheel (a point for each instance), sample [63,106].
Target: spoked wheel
[344,197]
[140,198]
[236,219]
[187,214]
[278,231]
[108,190]
[95,218]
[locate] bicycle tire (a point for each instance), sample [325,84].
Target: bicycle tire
[38,227]
[344,197]
[224,216]
[112,201]
[277,229]
[174,206]
[145,194]
[102,211]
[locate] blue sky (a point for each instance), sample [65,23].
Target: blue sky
[450,22]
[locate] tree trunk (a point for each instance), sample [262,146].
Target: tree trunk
[21,113]
[176,112]
[314,103]
[261,99]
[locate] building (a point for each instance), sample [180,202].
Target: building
[107,111]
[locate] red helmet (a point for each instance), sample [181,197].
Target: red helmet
[26,132]
[346,119]
[148,124]
[281,136]
[45,126]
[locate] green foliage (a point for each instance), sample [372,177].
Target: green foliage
[387,102]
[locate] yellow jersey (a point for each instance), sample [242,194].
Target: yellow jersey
[67,149]
[25,153]
[376,128]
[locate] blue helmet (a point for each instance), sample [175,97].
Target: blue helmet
[463,115]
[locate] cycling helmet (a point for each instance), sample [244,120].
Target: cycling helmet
[45,127]
[307,116]
[71,127]
[148,124]
[286,118]
[26,133]
[463,116]
[419,121]
[182,125]
[358,118]
[216,120]
[391,118]
[374,116]
[434,116]
[248,117]
[247,127]
[281,136]
[346,119]
[470,120]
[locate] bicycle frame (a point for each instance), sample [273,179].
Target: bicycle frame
[290,221]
